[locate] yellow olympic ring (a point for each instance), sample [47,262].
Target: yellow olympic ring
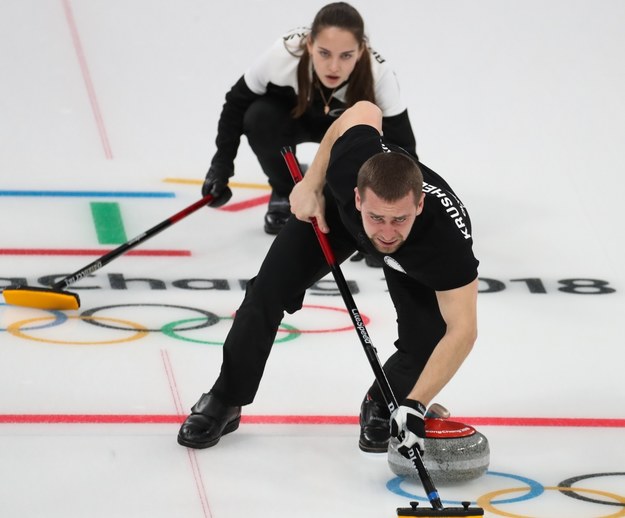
[484,501]
[15,329]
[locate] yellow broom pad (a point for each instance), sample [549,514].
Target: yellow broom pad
[41,298]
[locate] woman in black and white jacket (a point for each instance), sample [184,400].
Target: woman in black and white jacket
[292,94]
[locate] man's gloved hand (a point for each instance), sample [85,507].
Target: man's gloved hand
[216,184]
[408,425]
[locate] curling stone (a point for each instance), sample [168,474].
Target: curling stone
[454,452]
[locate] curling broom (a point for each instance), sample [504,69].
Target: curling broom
[56,298]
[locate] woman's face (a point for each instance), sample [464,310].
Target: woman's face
[334,54]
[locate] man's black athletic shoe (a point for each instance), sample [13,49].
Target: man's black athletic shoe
[375,431]
[209,420]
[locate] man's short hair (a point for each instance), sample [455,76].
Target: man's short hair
[391,176]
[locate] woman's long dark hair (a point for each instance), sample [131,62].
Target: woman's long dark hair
[360,86]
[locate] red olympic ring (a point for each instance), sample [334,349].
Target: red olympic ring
[365,321]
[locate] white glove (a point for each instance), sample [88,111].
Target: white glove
[408,425]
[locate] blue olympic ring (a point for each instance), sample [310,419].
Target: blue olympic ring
[60,318]
[535,489]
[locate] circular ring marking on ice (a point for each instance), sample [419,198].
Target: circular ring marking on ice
[534,489]
[210,318]
[486,501]
[16,329]
[365,320]
[572,492]
[171,331]
[60,319]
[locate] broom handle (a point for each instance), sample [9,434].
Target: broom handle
[365,340]
[122,249]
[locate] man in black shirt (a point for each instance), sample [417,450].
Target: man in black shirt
[379,200]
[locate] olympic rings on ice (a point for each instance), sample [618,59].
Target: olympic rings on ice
[287,332]
[491,502]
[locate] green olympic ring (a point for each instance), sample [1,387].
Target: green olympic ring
[170,330]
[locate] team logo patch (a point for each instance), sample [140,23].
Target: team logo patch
[392,263]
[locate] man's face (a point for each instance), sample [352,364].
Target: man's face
[387,224]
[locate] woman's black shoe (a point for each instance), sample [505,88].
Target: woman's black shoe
[278,213]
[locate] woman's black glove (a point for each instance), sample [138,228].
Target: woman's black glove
[216,184]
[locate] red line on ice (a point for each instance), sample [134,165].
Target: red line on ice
[84,68]
[298,419]
[90,251]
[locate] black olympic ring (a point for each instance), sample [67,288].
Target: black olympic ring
[211,318]
[570,481]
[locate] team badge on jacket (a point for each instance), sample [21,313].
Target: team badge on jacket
[392,263]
